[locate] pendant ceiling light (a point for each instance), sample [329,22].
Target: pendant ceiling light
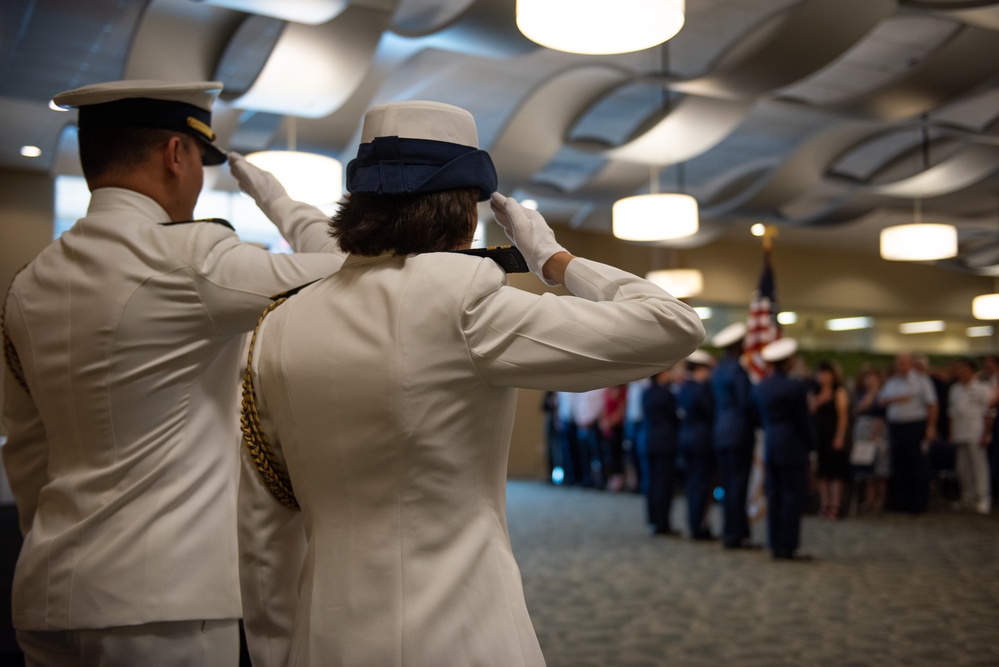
[681,283]
[308,177]
[919,241]
[986,306]
[600,27]
[655,216]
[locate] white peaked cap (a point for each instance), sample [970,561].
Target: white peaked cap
[700,357]
[201,94]
[779,350]
[733,333]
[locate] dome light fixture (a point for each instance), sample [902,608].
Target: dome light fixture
[681,283]
[985,307]
[918,241]
[656,216]
[308,177]
[598,27]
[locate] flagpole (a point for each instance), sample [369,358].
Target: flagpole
[769,234]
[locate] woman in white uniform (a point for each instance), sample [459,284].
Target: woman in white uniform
[387,394]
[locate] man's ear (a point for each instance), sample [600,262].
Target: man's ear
[173,154]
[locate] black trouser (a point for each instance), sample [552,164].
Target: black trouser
[659,499]
[787,493]
[734,466]
[697,489]
[909,485]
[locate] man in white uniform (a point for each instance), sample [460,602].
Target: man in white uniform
[387,393]
[122,341]
[970,429]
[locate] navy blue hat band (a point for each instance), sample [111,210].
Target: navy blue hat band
[394,165]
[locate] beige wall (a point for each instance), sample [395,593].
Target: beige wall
[26,221]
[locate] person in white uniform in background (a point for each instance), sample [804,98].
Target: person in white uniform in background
[970,430]
[122,346]
[386,394]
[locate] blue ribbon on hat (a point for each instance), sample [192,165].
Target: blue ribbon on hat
[396,165]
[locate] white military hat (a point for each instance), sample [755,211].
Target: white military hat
[419,147]
[731,334]
[170,105]
[700,357]
[779,350]
[420,119]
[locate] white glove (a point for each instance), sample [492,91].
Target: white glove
[303,225]
[262,186]
[528,231]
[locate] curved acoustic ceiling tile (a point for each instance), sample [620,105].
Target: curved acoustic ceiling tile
[810,36]
[804,168]
[312,70]
[983,17]
[957,172]
[826,204]
[962,62]
[206,29]
[415,18]
[312,12]
[533,134]
[246,53]
[691,127]
[614,178]
[982,13]
[485,28]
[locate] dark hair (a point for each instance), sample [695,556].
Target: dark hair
[369,224]
[830,367]
[103,149]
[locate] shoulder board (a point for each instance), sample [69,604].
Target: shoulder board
[217,221]
[509,258]
[293,291]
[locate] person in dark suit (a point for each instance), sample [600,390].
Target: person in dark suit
[782,402]
[697,411]
[733,434]
[662,425]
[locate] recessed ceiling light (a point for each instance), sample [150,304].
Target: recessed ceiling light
[929,326]
[849,323]
[31,151]
[979,332]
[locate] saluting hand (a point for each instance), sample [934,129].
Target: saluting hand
[528,231]
[261,185]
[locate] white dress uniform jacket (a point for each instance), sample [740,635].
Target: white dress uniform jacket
[389,388]
[123,457]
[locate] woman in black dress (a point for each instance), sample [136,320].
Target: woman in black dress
[829,404]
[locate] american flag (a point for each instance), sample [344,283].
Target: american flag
[762,327]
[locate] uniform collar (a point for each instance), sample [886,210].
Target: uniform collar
[105,201]
[357,260]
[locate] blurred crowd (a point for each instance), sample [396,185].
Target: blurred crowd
[888,438]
